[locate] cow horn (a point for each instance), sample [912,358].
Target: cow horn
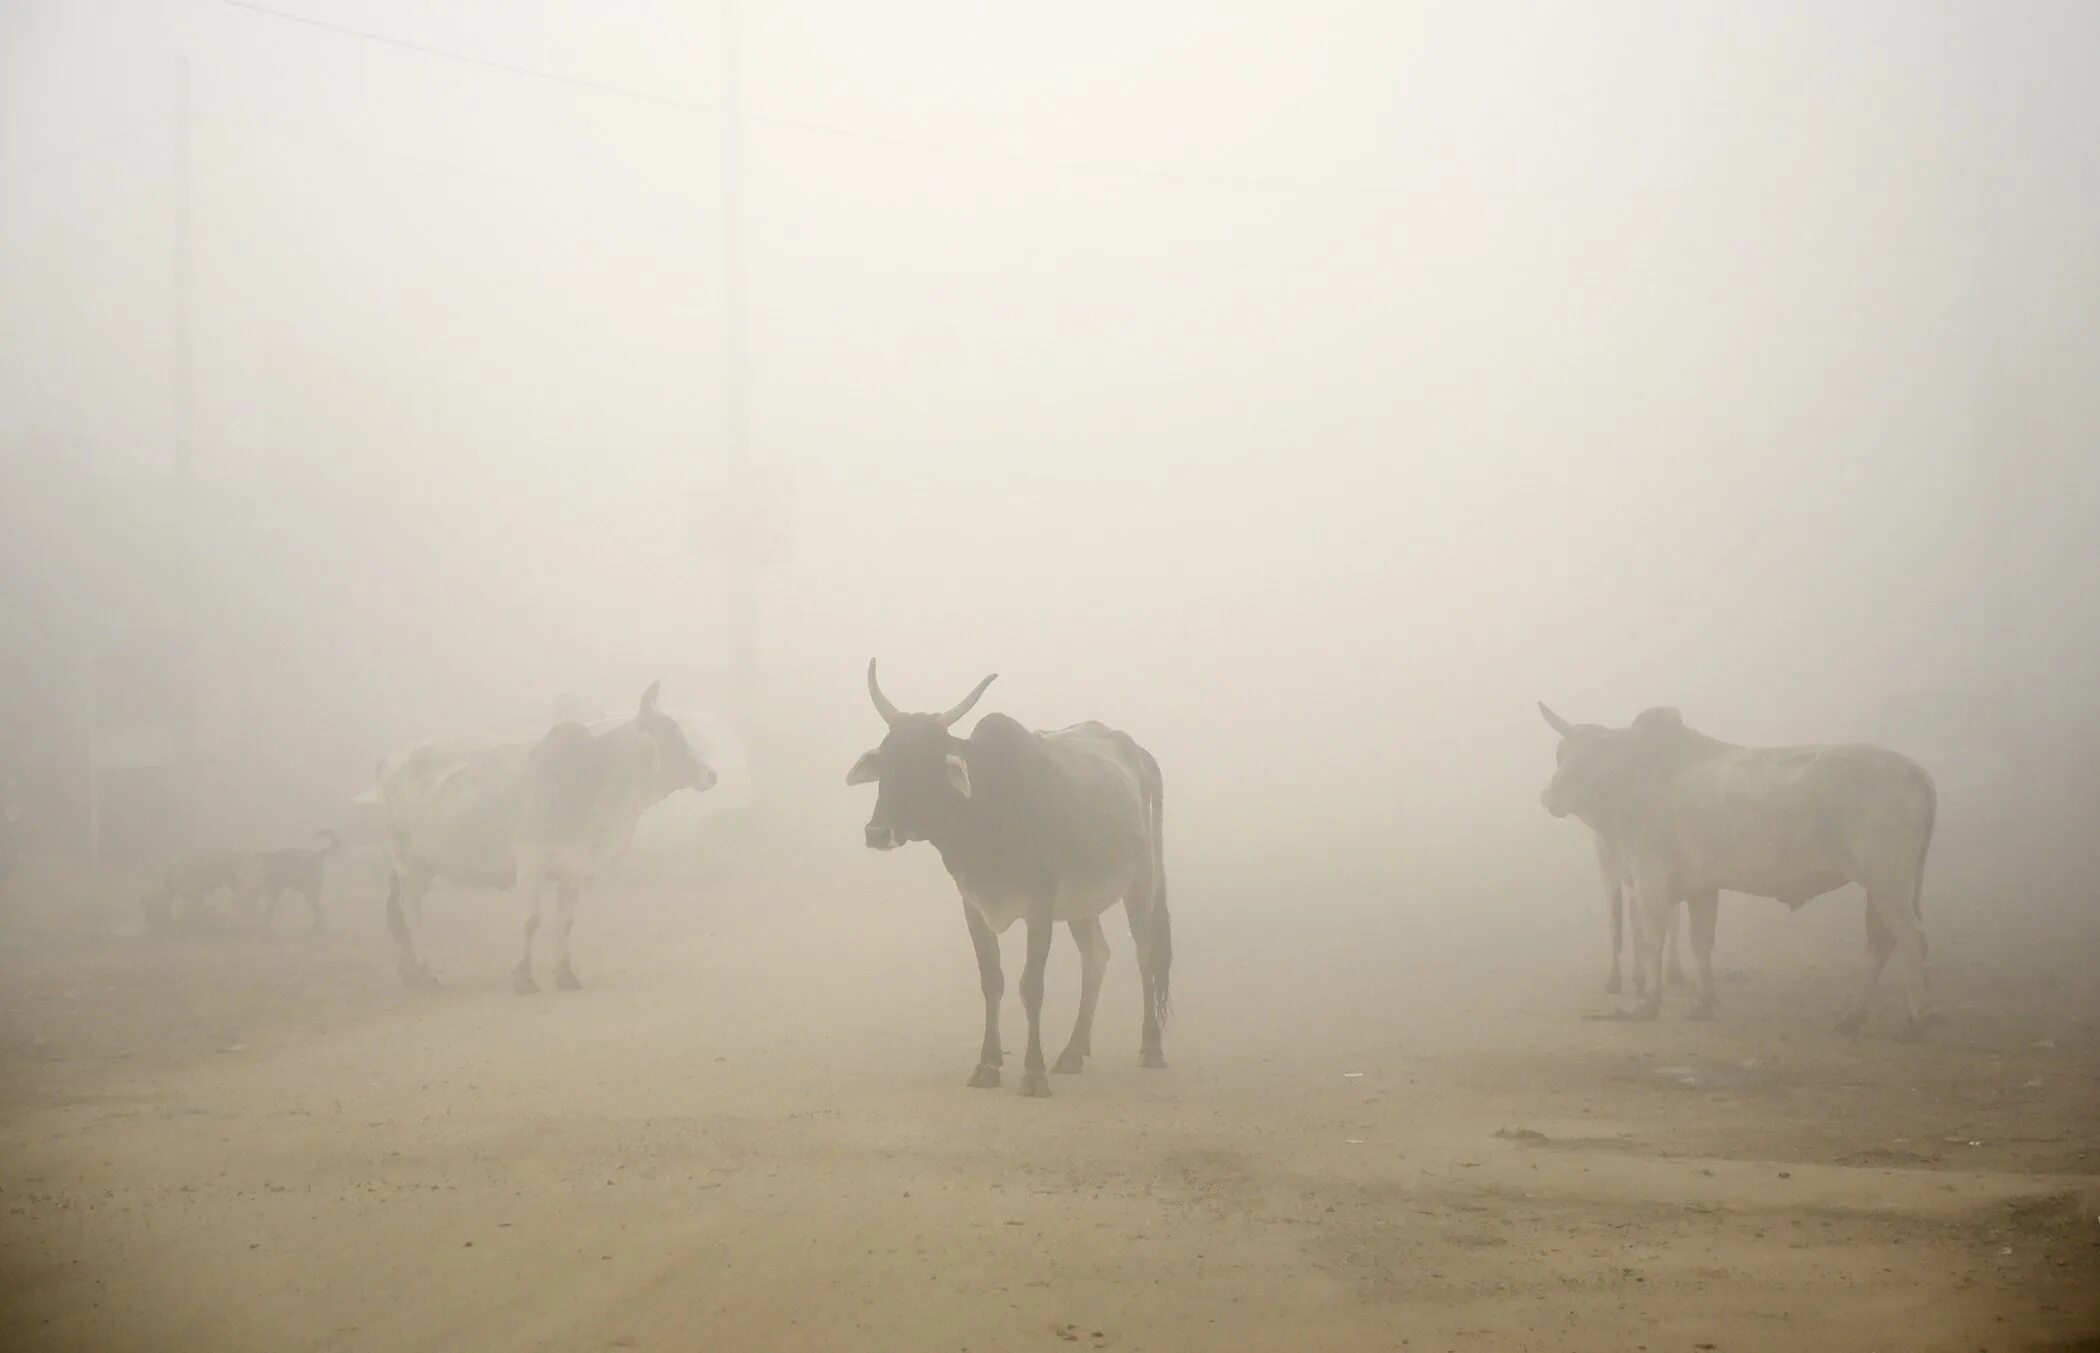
[964,708]
[1554,721]
[888,711]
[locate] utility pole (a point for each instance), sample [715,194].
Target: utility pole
[185,364]
[739,564]
[186,751]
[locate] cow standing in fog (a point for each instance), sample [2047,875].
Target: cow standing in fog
[1035,827]
[1696,815]
[489,816]
[1618,889]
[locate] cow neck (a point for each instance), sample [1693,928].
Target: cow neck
[1643,809]
[963,838]
[1613,822]
[626,737]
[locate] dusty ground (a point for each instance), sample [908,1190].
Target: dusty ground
[751,1132]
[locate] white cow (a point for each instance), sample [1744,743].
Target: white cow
[1618,886]
[1695,815]
[493,814]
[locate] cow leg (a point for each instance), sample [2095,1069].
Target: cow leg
[531,883]
[404,917]
[1654,897]
[1910,942]
[1093,961]
[564,922]
[1615,907]
[313,901]
[1034,1083]
[1673,950]
[269,914]
[1880,944]
[992,982]
[1636,946]
[1704,909]
[1892,926]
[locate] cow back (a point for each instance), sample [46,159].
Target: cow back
[1795,822]
[451,806]
[585,792]
[1053,808]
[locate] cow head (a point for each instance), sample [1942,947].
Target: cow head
[1597,767]
[677,765]
[919,772]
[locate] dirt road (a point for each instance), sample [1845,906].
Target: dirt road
[751,1132]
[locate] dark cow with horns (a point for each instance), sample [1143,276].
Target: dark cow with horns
[1041,827]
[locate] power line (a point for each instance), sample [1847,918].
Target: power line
[984,154]
[1099,168]
[445,54]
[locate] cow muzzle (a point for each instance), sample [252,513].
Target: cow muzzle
[882,837]
[1552,804]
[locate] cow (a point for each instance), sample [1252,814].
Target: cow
[1034,827]
[1696,815]
[1618,884]
[494,815]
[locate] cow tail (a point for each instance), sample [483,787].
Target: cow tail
[330,843]
[1162,922]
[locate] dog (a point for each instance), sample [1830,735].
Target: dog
[192,881]
[270,874]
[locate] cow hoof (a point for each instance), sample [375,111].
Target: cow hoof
[1701,1010]
[565,979]
[985,1078]
[1152,1059]
[1070,1063]
[1647,1010]
[1674,978]
[522,983]
[425,982]
[1911,1031]
[1612,985]
[1034,1084]
[1849,1025]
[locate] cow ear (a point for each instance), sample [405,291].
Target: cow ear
[1555,722]
[959,774]
[649,696]
[866,771]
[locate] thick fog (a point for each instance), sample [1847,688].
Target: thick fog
[1308,391]
[1310,388]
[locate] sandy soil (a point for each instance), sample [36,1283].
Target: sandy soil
[1393,1129]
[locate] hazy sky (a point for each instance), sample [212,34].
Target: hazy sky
[1737,356]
